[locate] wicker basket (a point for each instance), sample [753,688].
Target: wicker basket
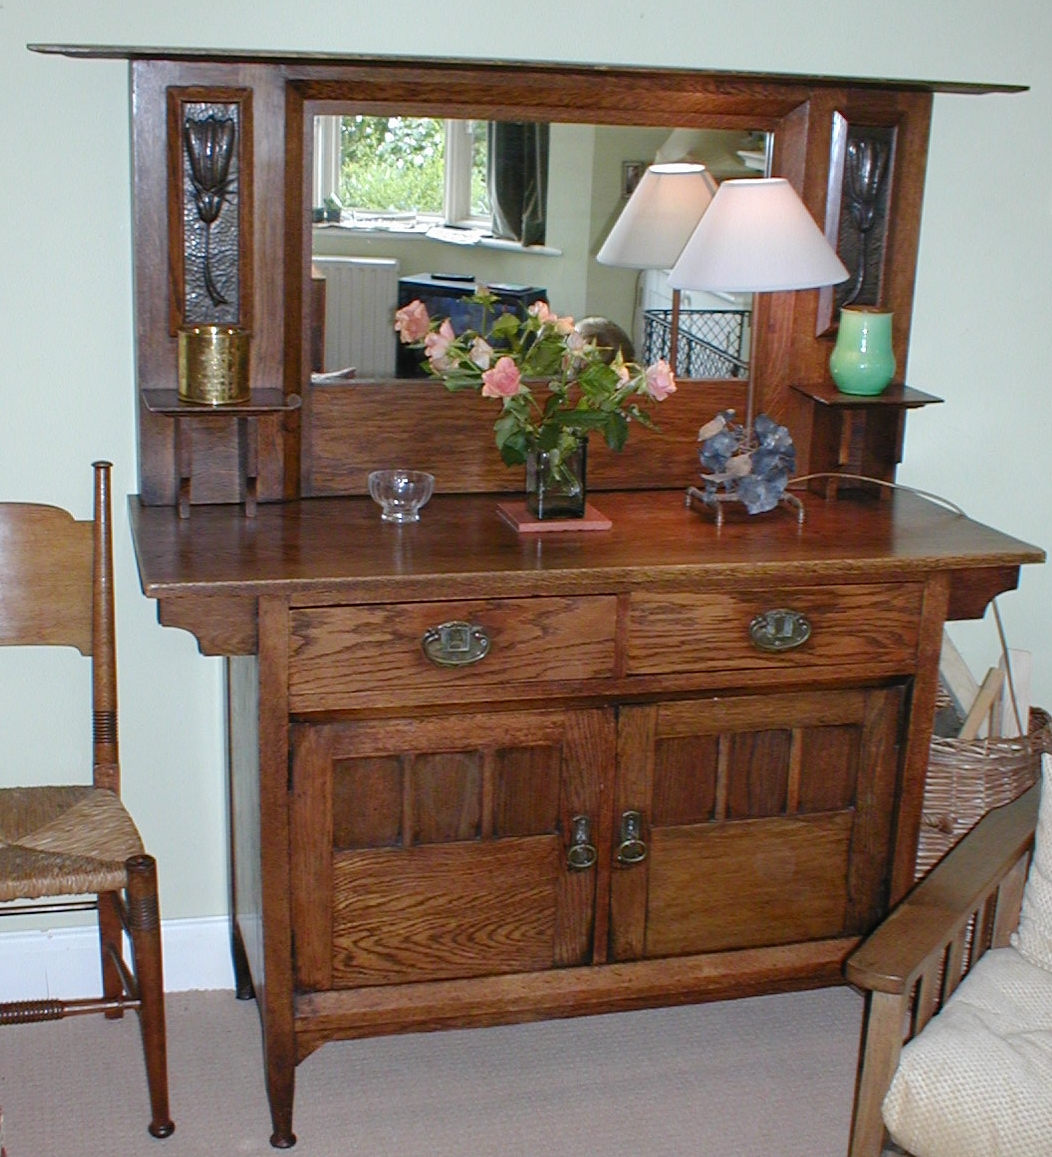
[966,778]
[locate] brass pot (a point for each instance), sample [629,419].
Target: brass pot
[213,364]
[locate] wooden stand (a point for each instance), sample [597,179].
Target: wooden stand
[856,435]
[247,414]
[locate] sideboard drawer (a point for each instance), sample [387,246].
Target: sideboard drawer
[870,625]
[342,654]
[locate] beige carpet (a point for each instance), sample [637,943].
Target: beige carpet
[767,1077]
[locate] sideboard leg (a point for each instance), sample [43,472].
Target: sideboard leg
[243,985]
[280,1087]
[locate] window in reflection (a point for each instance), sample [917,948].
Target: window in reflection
[401,173]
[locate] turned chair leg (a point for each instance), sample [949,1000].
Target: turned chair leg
[111,933]
[144,928]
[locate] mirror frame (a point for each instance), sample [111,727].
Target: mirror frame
[278,94]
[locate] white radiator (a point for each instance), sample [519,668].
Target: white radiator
[361,295]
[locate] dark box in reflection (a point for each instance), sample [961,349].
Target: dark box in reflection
[445,295]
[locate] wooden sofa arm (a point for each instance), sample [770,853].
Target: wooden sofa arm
[911,964]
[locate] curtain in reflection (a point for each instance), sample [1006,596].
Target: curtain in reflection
[518,180]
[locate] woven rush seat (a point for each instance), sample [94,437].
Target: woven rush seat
[63,841]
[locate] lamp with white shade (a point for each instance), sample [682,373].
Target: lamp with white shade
[757,236]
[661,215]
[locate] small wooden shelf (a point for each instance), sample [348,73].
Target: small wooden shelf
[262,403]
[853,434]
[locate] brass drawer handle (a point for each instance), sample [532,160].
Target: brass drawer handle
[632,849]
[581,854]
[779,630]
[455,644]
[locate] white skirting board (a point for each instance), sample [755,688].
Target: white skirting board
[64,962]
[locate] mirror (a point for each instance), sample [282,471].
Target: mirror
[378,256]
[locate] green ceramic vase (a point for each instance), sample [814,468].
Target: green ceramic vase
[863,361]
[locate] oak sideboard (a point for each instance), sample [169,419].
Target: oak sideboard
[481,777]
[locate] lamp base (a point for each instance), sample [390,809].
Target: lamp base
[717,502]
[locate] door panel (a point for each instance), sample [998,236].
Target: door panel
[437,847]
[448,910]
[767,818]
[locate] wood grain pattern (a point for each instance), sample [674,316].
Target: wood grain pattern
[838,747]
[337,551]
[874,625]
[514,997]
[46,559]
[362,426]
[747,883]
[311,827]
[442,911]
[343,654]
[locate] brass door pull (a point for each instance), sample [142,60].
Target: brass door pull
[455,644]
[632,849]
[582,854]
[782,629]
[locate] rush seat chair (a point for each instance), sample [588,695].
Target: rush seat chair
[60,844]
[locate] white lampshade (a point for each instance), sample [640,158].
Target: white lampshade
[662,213]
[757,236]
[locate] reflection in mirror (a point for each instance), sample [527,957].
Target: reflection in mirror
[423,207]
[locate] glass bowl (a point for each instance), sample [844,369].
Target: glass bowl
[401,493]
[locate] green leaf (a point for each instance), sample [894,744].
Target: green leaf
[505,326]
[513,448]
[616,432]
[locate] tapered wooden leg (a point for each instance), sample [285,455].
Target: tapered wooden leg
[243,986]
[280,1088]
[111,933]
[279,1059]
[144,928]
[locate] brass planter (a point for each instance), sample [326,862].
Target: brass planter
[213,365]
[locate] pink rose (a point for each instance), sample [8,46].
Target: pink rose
[575,342]
[543,313]
[502,381]
[412,321]
[437,343]
[481,353]
[659,381]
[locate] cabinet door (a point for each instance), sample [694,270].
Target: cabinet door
[445,846]
[766,820]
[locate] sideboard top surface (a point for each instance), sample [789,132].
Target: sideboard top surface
[310,547]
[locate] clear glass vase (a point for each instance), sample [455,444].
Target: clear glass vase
[556,482]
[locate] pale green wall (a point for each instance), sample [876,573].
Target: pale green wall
[982,333]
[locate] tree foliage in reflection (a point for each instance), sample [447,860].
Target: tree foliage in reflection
[397,164]
[392,163]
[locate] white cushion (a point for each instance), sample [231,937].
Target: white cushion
[977,1082]
[1034,938]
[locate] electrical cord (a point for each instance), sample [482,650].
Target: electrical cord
[938,498]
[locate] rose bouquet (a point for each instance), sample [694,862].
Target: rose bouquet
[555,385]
